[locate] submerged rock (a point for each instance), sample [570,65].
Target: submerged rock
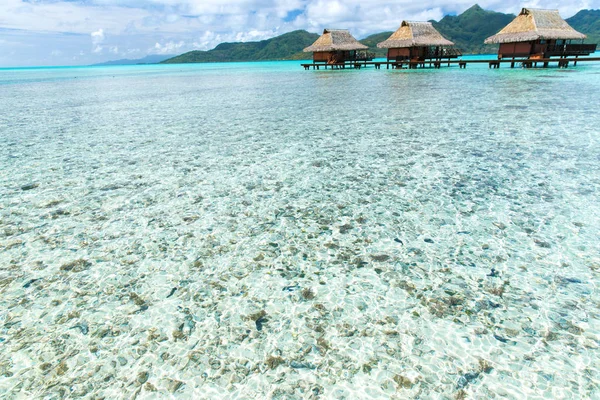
[345,228]
[30,186]
[76,266]
[300,365]
[83,328]
[274,362]
[308,294]
[563,280]
[542,243]
[259,323]
[188,325]
[503,339]
[30,282]
[466,379]
[380,257]
[150,387]
[486,304]
[404,381]
[174,385]
[259,318]
[137,299]
[485,366]
[493,273]
[62,368]
[142,377]
[499,225]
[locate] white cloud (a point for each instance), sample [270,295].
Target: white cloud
[66,16]
[176,26]
[167,48]
[207,40]
[97,36]
[254,35]
[97,39]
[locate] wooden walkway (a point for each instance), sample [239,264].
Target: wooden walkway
[494,63]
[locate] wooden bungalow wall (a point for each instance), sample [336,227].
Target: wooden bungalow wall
[401,52]
[509,50]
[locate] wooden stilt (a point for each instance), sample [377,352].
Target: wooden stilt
[563,62]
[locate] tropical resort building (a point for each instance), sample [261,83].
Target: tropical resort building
[337,47]
[418,42]
[539,34]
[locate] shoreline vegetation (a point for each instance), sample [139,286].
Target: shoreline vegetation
[468,30]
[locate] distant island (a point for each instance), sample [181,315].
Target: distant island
[288,46]
[468,30]
[150,59]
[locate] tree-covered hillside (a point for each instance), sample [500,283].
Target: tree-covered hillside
[372,41]
[588,22]
[288,46]
[469,29]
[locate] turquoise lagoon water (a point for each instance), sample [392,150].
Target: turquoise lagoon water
[260,231]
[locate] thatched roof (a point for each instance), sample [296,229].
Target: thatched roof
[532,24]
[415,34]
[334,40]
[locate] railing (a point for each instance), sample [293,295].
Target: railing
[347,58]
[443,52]
[432,53]
[569,50]
[362,56]
[524,54]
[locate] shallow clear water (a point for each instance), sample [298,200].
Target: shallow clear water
[260,231]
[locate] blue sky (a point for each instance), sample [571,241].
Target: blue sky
[80,32]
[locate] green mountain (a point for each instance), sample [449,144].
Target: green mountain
[588,22]
[372,41]
[288,46]
[469,29]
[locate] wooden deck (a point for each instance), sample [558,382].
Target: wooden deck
[493,63]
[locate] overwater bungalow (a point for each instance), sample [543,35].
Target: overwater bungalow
[418,41]
[536,34]
[336,47]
